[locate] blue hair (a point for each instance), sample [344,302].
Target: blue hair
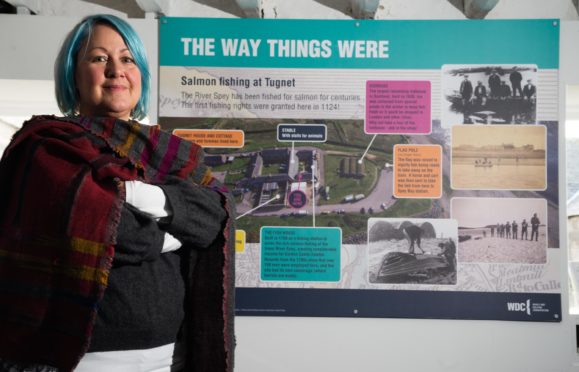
[65,65]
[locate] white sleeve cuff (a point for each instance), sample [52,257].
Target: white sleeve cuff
[147,198]
[170,243]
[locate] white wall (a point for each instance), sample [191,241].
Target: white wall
[28,46]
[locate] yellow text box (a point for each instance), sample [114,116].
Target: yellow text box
[239,241]
[417,171]
[220,138]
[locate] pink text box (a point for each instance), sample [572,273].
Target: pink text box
[398,107]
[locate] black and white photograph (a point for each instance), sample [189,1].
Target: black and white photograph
[501,230]
[412,251]
[499,157]
[489,94]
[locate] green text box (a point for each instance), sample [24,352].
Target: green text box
[305,254]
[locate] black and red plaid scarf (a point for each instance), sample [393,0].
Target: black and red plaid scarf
[61,193]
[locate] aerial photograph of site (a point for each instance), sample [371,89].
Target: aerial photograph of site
[349,180]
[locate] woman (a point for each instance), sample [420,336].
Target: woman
[115,241]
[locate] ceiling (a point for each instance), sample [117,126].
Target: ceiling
[130,7]
[474,9]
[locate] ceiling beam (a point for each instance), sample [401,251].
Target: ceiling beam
[474,9]
[478,9]
[26,6]
[251,8]
[154,7]
[364,9]
[61,8]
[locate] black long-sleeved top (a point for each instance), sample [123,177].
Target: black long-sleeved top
[142,306]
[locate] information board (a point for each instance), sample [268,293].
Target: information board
[384,168]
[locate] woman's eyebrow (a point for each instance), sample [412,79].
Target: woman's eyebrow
[106,50]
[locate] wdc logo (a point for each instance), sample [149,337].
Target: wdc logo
[520,306]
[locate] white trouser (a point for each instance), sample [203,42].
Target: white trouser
[159,359]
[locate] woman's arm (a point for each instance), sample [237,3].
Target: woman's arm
[198,213]
[139,237]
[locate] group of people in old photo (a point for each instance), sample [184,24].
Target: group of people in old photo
[498,87]
[492,94]
[510,230]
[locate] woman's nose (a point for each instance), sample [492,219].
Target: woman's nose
[114,68]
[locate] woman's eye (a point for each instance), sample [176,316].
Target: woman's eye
[99,59]
[128,60]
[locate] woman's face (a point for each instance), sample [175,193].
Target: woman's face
[107,79]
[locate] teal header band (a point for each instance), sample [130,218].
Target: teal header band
[357,44]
